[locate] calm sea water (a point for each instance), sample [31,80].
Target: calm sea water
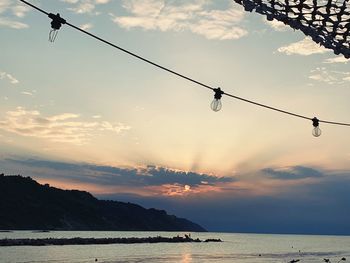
[238,248]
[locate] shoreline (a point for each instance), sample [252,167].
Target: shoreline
[100,241]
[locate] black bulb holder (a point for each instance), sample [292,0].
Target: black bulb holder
[315,122]
[57,21]
[218,93]
[56,24]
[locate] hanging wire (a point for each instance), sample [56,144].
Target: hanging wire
[183,76]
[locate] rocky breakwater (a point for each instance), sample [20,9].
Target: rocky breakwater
[99,241]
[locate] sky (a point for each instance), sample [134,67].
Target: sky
[81,115]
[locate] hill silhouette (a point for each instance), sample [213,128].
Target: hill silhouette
[27,205]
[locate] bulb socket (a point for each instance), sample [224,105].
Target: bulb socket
[57,21]
[218,93]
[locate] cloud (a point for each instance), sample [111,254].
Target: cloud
[292,173]
[86,26]
[330,77]
[276,25]
[319,207]
[339,59]
[4,5]
[149,180]
[305,47]
[5,22]
[193,16]
[7,76]
[27,93]
[8,9]
[20,10]
[58,128]
[84,6]
[71,1]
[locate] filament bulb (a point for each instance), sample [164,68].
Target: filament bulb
[216,104]
[53,35]
[316,132]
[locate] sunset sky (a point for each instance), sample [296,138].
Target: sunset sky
[79,114]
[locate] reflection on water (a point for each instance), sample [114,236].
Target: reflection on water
[240,248]
[186,258]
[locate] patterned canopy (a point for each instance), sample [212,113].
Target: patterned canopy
[327,22]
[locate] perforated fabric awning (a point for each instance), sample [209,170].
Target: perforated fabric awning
[327,22]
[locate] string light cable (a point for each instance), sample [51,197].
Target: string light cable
[216,105]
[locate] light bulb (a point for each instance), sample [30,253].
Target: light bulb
[316,132]
[56,24]
[216,105]
[53,35]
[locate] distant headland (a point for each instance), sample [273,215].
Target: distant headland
[27,205]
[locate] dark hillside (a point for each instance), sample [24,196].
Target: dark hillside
[26,204]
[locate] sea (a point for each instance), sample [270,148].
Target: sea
[240,248]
